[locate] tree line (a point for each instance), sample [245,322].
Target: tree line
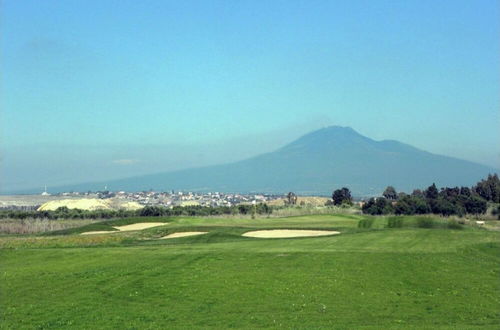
[445,201]
[147,211]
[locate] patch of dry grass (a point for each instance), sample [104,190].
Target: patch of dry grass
[36,226]
[301,200]
[61,241]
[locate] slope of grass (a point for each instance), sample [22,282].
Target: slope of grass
[379,278]
[107,225]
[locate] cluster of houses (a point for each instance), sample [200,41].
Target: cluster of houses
[179,198]
[191,198]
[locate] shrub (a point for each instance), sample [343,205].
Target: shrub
[496,211]
[365,223]
[395,222]
[453,224]
[475,205]
[425,222]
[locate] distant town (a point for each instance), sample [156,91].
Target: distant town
[151,198]
[180,198]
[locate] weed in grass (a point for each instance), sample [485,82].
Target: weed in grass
[395,222]
[366,223]
[453,224]
[425,222]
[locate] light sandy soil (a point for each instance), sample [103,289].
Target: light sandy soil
[283,233]
[301,200]
[90,204]
[140,226]
[98,232]
[185,234]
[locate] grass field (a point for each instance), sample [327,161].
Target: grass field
[374,278]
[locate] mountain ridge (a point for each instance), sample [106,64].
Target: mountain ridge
[316,163]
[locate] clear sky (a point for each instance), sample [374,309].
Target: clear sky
[98,89]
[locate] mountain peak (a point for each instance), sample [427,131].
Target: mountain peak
[336,132]
[327,137]
[338,129]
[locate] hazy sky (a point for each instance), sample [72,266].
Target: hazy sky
[98,89]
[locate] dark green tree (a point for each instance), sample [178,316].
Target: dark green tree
[390,193]
[377,206]
[418,193]
[431,192]
[489,189]
[421,206]
[342,196]
[403,206]
[291,198]
[475,205]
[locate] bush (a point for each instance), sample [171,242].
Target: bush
[365,223]
[425,222]
[496,211]
[453,224]
[395,222]
[475,205]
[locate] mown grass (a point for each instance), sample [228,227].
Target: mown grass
[364,278]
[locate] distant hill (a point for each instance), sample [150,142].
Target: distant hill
[316,163]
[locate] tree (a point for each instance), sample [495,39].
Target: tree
[152,211]
[421,206]
[489,189]
[418,193]
[390,193]
[449,193]
[475,205]
[291,198]
[403,206]
[465,191]
[402,195]
[369,207]
[431,192]
[342,196]
[378,206]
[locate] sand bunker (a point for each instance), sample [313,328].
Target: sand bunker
[98,232]
[134,226]
[283,233]
[140,226]
[185,234]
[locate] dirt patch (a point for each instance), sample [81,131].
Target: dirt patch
[140,226]
[283,233]
[185,234]
[98,232]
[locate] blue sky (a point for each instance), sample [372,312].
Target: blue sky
[101,89]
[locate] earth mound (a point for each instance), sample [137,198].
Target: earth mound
[90,204]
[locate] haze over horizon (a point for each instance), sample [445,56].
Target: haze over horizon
[110,89]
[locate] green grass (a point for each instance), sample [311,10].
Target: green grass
[374,278]
[106,225]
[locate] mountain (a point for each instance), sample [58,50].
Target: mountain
[316,163]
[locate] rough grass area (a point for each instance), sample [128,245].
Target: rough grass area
[375,278]
[36,226]
[108,225]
